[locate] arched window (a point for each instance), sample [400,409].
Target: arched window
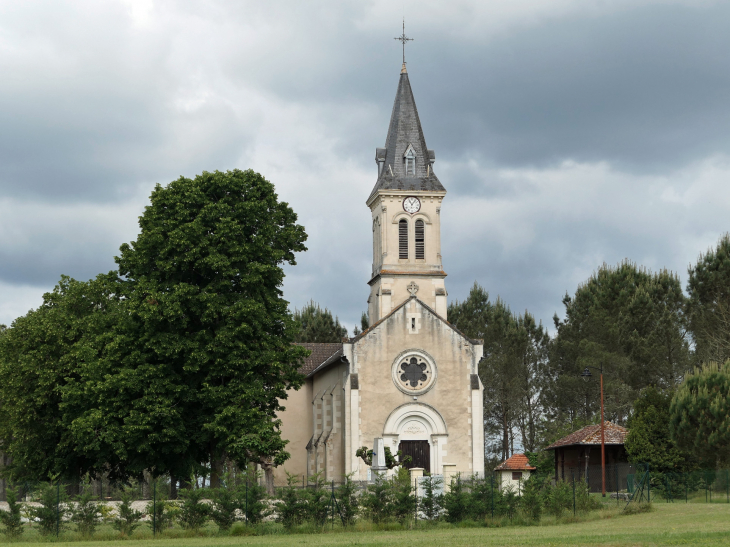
[410,159]
[420,244]
[403,239]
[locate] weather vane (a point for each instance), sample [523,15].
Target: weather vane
[403,39]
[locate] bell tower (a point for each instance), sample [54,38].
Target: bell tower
[406,215]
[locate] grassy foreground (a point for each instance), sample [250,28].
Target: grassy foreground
[668,524]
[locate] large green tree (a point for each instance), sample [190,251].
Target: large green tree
[709,303]
[700,414]
[40,355]
[630,322]
[318,325]
[202,357]
[648,440]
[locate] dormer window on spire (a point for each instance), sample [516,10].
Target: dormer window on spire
[410,160]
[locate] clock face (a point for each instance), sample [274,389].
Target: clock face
[411,205]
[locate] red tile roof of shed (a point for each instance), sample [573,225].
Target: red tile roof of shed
[591,434]
[517,462]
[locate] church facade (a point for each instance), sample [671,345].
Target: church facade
[411,378]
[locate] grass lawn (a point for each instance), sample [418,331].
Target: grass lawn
[668,524]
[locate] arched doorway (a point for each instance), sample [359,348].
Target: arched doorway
[418,431]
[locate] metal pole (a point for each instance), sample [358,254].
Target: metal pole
[246,512]
[332,503]
[615,470]
[492,481]
[603,443]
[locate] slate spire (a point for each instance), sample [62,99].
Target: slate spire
[404,135]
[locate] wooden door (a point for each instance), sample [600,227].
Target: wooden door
[420,453]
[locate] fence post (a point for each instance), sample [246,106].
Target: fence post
[648,483]
[58,503]
[415,496]
[615,472]
[572,476]
[492,489]
[154,508]
[727,485]
[246,510]
[686,488]
[332,503]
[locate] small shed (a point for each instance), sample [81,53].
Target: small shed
[512,471]
[578,456]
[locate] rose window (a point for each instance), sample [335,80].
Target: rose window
[414,373]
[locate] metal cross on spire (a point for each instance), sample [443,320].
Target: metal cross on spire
[403,39]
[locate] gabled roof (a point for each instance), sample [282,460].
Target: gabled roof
[404,131]
[322,356]
[398,307]
[591,435]
[517,462]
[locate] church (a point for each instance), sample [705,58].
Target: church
[411,378]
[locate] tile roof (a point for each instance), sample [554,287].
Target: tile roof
[404,131]
[322,355]
[517,462]
[591,434]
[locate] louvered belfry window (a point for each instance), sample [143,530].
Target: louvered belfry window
[403,239]
[420,246]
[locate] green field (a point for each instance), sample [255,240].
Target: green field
[668,524]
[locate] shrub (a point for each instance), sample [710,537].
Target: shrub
[86,515]
[510,500]
[403,502]
[52,510]
[226,501]
[348,501]
[584,503]
[127,519]
[315,501]
[11,519]
[531,504]
[456,501]
[193,512]
[162,513]
[289,508]
[432,501]
[377,499]
[254,504]
[558,498]
[479,504]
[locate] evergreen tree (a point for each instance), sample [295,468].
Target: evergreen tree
[700,414]
[512,369]
[627,320]
[709,303]
[648,440]
[318,325]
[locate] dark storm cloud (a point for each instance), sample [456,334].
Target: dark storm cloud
[645,88]
[566,133]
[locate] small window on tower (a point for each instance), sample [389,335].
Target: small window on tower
[403,239]
[410,159]
[420,245]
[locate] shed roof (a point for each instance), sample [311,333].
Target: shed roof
[516,462]
[321,356]
[591,435]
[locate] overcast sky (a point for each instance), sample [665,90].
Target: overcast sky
[567,133]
